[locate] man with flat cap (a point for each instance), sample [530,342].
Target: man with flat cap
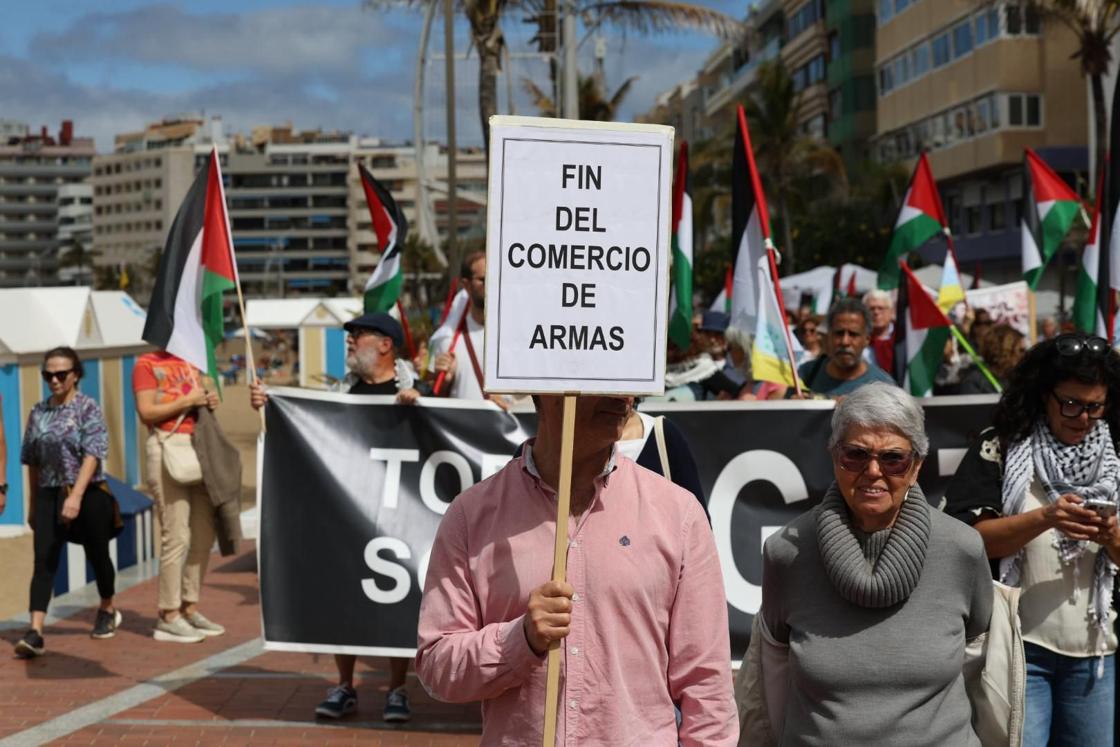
[372,341]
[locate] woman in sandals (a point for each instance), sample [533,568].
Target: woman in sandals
[64,449]
[168,392]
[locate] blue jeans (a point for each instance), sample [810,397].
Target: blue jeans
[1067,704]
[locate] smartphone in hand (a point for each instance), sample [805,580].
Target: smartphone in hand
[1104,509]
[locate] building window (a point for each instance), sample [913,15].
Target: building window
[817,69]
[1024,110]
[886,11]
[885,80]
[997,216]
[972,217]
[1014,20]
[962,40]
[941,50]
[804,17]
[953,212]
[834,46]
[835,103]
[920,63]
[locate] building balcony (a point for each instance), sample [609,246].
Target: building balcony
[741,79]
[66,171]
[28,245]
[269,191]
[28,226]
[27,208]
[7,188]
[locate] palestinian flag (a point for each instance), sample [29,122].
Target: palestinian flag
[384,285]
[1088,316]
[919,220]
[197,266]
[1048,212]
[680,324]
[750,227]
[920,336]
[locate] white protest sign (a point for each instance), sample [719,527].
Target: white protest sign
[577,271]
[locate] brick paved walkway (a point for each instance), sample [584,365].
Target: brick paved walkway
[227,690]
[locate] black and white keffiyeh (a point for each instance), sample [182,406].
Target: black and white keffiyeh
[1091,470]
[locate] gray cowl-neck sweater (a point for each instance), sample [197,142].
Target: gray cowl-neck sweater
[876,624]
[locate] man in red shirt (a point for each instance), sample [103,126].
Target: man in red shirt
[880,307]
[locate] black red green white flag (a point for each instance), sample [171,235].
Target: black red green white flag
[185,315]
[384,285]
[750,227]
[919,219]
[921,331]
[1048,212]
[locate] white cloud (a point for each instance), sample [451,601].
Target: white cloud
[298,40]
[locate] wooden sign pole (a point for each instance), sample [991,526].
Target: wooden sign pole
[560,562]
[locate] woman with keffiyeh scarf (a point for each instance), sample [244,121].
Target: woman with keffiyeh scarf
[1041,489]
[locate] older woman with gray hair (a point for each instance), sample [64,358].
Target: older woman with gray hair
[867,599]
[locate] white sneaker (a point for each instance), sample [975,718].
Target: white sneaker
[201,624]
[177,631]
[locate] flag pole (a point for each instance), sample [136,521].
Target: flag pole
[454,341]
[407,331]
[770,254]
[250,362]
[976,358]
[764,225]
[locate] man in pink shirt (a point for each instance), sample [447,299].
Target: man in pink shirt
[642,620]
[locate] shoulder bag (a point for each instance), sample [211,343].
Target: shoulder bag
[179,457]
[995,673]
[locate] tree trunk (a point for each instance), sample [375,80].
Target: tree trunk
[488,41]
[1100,127]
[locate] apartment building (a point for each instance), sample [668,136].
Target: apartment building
[137,189]
[974,85]
[33,168]
[828,49]
[288,201]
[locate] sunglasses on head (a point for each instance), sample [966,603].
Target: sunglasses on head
[59,376]
[1069,345]
[1072,408]
[892,462]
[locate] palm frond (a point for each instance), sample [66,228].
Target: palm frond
[620,94]
[652,16]
[542,101]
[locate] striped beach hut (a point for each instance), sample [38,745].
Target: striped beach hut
[105,328]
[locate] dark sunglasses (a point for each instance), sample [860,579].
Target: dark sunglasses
[1071,408]
[59,376]
[892,462]
[1069,345]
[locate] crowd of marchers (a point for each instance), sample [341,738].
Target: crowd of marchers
[869,599]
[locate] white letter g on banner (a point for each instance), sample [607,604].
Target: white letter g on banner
[759,464]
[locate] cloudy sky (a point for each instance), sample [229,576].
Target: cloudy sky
[114,66]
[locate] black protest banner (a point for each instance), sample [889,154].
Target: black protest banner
[353,488]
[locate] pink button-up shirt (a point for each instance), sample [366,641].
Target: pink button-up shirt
[649,619]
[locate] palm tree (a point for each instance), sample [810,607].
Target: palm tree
[789,161]
[644,16]
[592,104]
[77,254]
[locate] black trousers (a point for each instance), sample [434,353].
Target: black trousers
[94,525]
